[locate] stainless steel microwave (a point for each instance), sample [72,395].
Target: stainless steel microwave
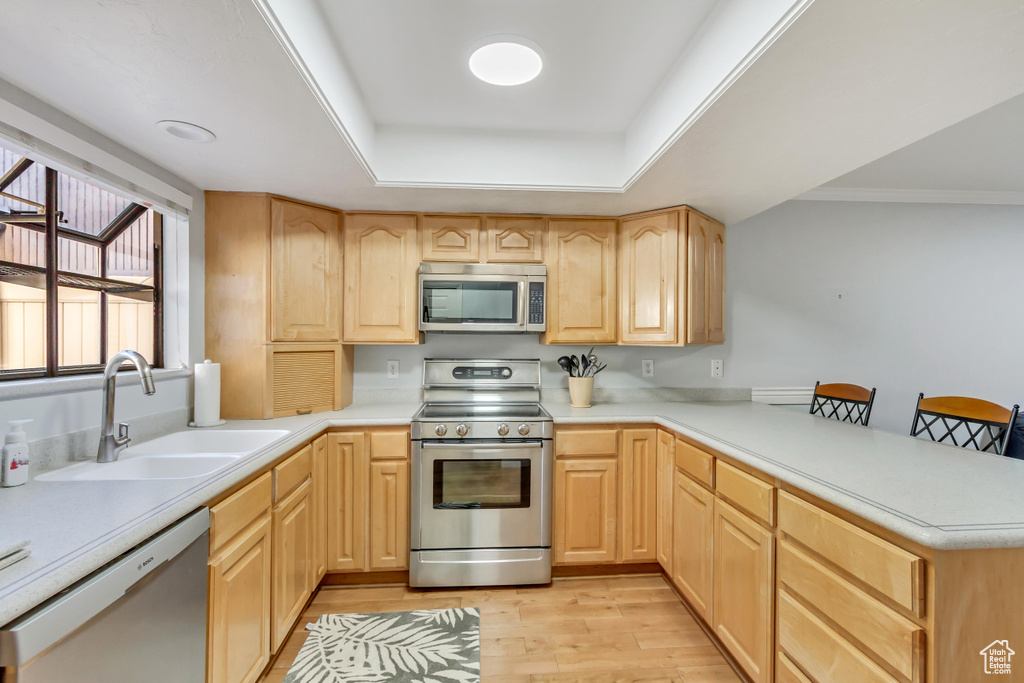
[482,297]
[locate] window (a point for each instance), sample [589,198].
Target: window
[79,273]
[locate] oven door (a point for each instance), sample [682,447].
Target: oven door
[477,303]
[481,495]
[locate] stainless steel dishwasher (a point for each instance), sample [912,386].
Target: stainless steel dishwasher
[142,617]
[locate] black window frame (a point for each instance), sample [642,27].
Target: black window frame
[51,278]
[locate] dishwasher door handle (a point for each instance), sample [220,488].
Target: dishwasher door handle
[54,620]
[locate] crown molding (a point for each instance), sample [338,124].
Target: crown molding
[874,194]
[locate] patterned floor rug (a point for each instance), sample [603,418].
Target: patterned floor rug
[425,646]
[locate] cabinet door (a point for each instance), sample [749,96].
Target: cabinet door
[639,492]
[305,265]
[743,590]
[515,239]
[698,239]
[666,470]
[585,510]
[381,261]
[581,296]
[238,628]
[693,527]
[347,478]
[648,268]
[319,501]
[293,559]
[716,283]
[450,238]
[389,514]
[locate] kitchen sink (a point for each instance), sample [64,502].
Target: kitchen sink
[181,455]
[143,467]
[235,441]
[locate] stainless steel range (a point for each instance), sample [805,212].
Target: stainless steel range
[481,476]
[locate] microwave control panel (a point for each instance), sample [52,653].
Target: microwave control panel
[536,303]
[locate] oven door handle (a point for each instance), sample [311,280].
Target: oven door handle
[519,445]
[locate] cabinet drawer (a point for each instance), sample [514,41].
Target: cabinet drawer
[290,474]
[892,571]
[231,515]
[389,445]
[787,672]
[893,638]
[751,494]
[599,442]
[695,462]
[819,650]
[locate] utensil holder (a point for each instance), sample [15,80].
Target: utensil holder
[580,390]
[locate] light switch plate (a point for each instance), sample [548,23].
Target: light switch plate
[716,368]
[392,369]
[647,368]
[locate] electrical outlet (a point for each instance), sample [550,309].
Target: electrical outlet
[716,368]
[647,368]
[392,369]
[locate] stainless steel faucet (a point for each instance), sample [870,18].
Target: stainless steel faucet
[110,445]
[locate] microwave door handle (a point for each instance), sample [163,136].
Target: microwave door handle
[524,306]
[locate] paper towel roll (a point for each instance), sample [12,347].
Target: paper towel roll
[207,397]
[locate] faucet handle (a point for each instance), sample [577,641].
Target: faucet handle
[122,433]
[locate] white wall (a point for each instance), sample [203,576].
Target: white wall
[927,303]
[184,266]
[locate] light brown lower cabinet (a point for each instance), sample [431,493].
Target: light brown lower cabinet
[368,501]
[293,560]
[744,564]
[663,506]
[585,501]
[693,525]
[319,509]
[638,487]
[239,573]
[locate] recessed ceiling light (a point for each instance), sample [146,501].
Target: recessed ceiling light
[187,131]
[506,61]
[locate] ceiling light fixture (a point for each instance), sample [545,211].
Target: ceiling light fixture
[186,131]
[506,60]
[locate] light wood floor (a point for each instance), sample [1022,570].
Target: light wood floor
[597,630]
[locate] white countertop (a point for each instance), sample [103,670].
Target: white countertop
[940,496]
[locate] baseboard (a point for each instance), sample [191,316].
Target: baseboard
[605,569]
[364,578]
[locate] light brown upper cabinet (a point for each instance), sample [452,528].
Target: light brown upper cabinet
[381,260]
[581,300]
[451,238]
[649,271]
[705,310]
[273,273]
[515,239]
[305,267]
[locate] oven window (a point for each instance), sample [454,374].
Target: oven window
[470,302]
[481,484]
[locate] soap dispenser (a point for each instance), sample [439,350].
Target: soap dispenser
[15,459]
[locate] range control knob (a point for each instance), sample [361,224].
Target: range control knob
[440,430]
[462,430]
[503,429]
[524,429]
[505,372]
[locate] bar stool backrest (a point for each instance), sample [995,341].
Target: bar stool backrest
[843,402]
[965,422]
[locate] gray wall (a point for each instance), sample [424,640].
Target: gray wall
[903,297]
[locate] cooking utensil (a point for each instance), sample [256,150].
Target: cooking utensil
[566,364]
[603,366]
[575,366]
[584,363]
